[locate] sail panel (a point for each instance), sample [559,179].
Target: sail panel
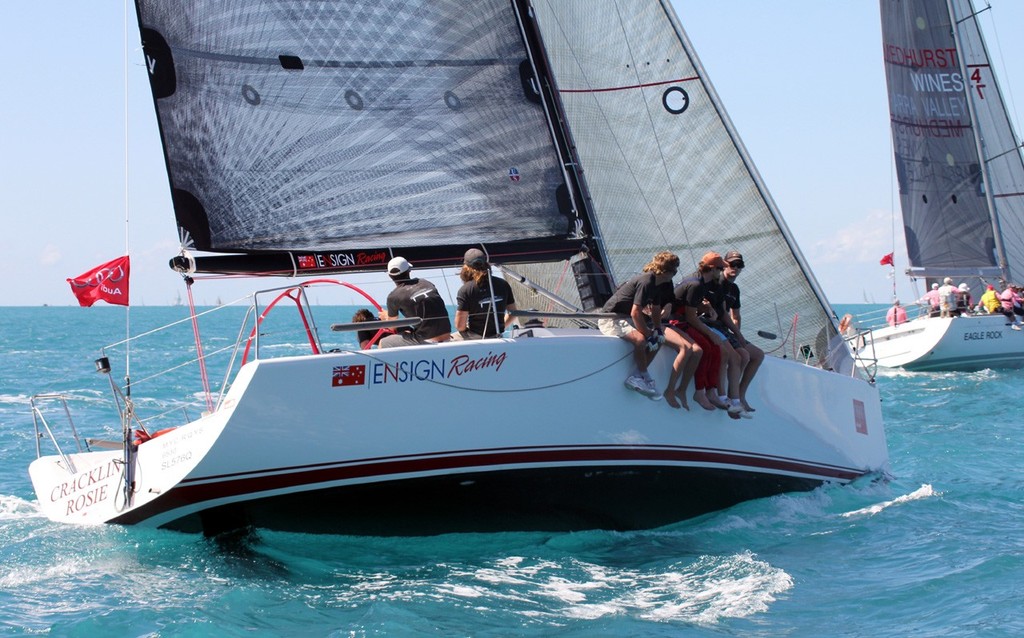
[661,164]
[999,142]
[302,125]
[942,193]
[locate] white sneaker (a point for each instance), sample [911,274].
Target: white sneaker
[652,390]
[735,407]
[636,382]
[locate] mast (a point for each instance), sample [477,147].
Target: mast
[997,234]
[579,197]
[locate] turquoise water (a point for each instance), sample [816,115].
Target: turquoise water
[936,551]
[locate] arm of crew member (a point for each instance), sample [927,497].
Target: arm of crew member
[509,309]
[734,313]
[639,320]
[709,310]
[461,320]
[727,319]
[694,320]
[666,312]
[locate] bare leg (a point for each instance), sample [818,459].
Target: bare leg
[731,364]
[691,367]
[756,359]
[684,346]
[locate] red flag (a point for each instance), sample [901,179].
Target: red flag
[348,375]
[886,261]
[108,282]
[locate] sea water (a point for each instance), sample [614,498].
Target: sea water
[936,550]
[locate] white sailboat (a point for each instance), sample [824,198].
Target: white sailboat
[570,140]
[961,181]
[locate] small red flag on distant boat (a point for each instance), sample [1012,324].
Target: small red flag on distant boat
[107,282]
[886,261]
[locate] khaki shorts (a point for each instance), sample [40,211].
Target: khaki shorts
[617,327]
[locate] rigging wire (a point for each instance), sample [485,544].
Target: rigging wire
[199,345]
[1004,72]
[127,236]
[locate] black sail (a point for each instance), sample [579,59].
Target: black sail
[332,126]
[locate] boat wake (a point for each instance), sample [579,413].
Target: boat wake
[925,491]
[703,591]
[12,507]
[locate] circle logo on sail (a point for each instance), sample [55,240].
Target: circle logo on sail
[675,100]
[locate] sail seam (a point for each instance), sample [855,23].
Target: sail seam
[630,86]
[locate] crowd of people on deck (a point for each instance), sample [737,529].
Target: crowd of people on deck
[950,300]
[699,319]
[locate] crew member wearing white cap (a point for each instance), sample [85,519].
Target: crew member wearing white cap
[947,297]
[413,297]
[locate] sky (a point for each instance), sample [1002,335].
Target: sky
[802,81]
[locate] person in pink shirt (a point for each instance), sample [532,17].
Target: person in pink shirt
[1011,303]
[1006,298]
[932,299]
[896,315]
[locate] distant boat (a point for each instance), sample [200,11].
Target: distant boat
[961,182]
[571,141]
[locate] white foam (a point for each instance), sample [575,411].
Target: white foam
[22,576]
[925,491]
[12,507]
[702,591]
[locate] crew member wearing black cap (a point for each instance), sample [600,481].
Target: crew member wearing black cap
[413,297]
[483,301]
[731,294]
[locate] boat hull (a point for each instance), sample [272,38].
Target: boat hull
[533,433]
[966,343]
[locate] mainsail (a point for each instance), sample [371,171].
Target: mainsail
[311,126]
[960,173]
[576,138]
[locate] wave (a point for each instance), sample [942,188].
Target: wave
[925,491]
[13,507]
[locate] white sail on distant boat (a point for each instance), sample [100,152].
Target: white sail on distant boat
[961,182]
[571,141]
